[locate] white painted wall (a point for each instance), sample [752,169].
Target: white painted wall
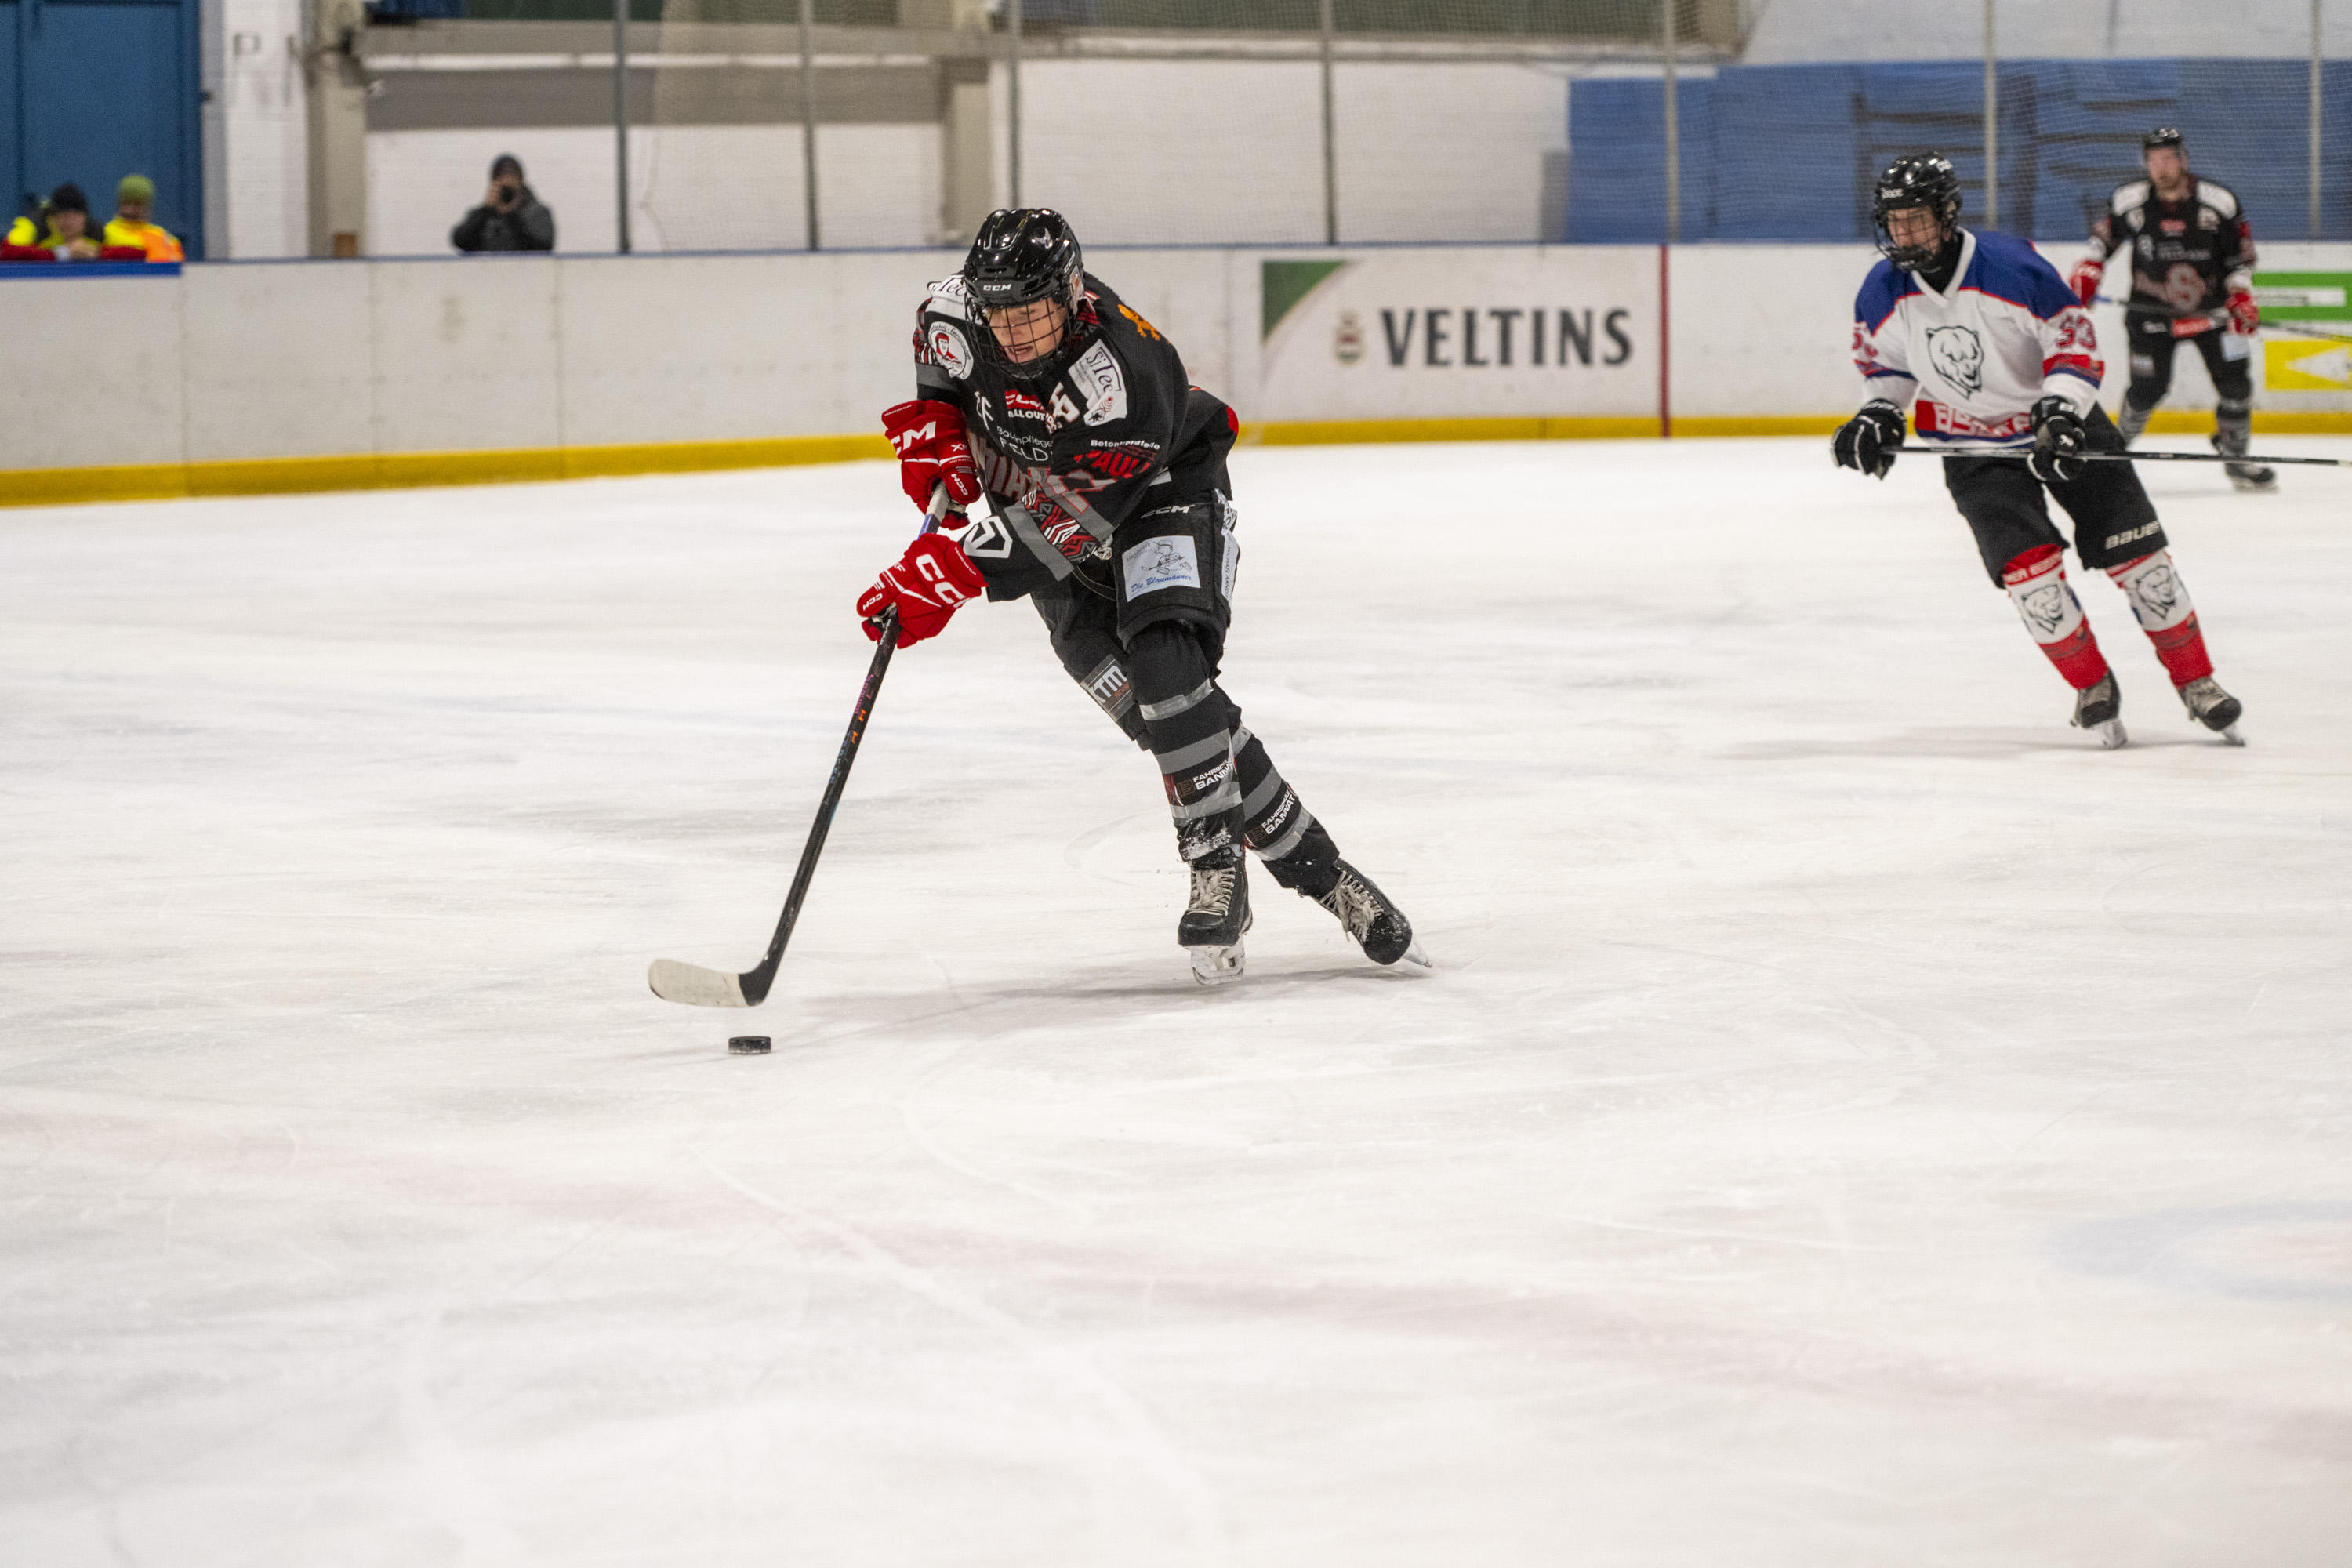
[1226,152]
[1445,151]
[291,359]
[1787,31]
[1137,151]
[266,154]
[691,187]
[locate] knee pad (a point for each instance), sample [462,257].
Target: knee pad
[1168,661]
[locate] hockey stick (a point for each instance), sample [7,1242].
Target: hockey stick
[2221,319]
[2138,457]
[699,987]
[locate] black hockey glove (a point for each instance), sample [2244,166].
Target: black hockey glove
[2058,442]
[1870,439]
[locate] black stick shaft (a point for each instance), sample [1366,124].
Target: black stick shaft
[755,982]
[2140,457]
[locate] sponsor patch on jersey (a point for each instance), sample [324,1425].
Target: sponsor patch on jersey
[1158,564]
[1101,383]
[1111,689]
[946,341]
[1020,403]
[950,297]
[1959,354]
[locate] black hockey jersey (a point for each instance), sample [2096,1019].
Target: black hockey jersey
[2188,256]
[1065,459]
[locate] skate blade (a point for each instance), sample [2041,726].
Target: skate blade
[2110,734]
[1418,956]
[2230,734]
[1216,965]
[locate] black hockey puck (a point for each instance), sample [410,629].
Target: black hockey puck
[748,1045]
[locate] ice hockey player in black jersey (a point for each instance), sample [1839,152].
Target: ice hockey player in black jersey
[1110,510]
[2192,278]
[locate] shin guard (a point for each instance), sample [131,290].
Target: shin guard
[2036,580]
[2160,602]
[1297,852]
[1190,726]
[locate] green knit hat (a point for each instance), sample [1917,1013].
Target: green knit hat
[135,188]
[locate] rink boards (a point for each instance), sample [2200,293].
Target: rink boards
[246,377]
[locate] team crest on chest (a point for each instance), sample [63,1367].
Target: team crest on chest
[946,341]
[1959,354]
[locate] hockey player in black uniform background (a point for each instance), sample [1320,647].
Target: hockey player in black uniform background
[2192,278]
[1105,471]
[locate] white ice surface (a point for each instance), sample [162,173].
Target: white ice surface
[1855,1121]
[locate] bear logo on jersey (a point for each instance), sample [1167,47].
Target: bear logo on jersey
[1958,355]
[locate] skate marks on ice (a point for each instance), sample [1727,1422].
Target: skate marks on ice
[1965,742]
[2256,1252]
[1187,1494]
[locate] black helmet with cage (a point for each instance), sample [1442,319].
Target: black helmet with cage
[1024,257]
[1917,180]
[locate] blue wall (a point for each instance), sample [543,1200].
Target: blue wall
[1787,153]
[92,90]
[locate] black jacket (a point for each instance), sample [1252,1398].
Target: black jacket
[531,227]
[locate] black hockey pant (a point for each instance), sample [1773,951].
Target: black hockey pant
[1150,665]
[2228,359]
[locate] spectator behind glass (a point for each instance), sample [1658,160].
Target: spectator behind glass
[63,232]
[134,198]
[509,218]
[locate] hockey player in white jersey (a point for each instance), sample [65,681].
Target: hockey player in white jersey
[1990,350]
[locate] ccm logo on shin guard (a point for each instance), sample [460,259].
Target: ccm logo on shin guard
[1157,564]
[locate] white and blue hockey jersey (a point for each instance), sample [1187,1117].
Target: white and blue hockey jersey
[2004,334]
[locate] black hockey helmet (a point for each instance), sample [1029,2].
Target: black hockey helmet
[1022,255]
[2163,136]
[1915,180]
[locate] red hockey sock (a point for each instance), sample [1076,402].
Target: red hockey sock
[2160,602]
[2036,580]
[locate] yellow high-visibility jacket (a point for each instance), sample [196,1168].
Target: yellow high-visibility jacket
[153,239]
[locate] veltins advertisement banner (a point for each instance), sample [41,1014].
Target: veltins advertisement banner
[1460,333]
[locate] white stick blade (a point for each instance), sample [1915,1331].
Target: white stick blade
[693,985]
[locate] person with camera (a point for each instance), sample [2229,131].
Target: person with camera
[509,218]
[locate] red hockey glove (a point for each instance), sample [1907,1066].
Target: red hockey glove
[933,450]
[2245,314]
[2084,279]
[930,580]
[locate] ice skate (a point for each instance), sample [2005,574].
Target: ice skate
[2243,476]
[2098,707]
[1215,916]
[2213,707]
[1374,923]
